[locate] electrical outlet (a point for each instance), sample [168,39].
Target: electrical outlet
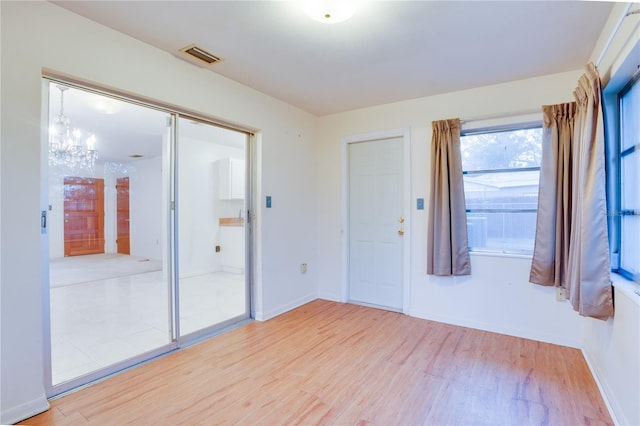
[217,249]
[303,268]
[561,294]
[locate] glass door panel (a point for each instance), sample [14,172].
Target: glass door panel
[211,208]
[108,234]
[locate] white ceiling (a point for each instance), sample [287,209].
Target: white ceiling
[389,51]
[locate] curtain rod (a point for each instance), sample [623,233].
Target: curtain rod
[627,12]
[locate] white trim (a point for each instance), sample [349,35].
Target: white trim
[500,329]
[613,34]
[24,411]
[628,287]
[264,316]
[601,388]
[505,119]
[44,242]
[403,133]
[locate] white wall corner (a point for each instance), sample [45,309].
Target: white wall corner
[333,297]
[602,387]
[272,313]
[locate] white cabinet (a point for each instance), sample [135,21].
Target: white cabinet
[231,178]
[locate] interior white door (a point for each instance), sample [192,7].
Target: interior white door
[376,222]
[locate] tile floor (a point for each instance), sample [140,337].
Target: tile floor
[99,322]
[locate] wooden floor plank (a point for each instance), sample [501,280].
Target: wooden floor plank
[333,363]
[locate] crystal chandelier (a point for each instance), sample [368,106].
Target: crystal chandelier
[65,145]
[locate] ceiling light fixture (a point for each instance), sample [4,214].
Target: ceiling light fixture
[65,145]
[330,11]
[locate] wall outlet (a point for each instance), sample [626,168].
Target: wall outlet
[217,249]
[561,294]
[303,268]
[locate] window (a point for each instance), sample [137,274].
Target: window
[629,182]
[501,168]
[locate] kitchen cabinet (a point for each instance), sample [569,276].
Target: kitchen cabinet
[231,178]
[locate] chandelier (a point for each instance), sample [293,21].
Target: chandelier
[66,147]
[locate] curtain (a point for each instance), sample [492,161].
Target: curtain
[447,242]
[571,245]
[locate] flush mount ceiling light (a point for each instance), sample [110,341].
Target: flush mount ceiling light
[330,11]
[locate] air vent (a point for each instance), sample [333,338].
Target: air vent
[200,54]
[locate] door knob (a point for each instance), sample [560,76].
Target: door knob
[401,232]
[401,220]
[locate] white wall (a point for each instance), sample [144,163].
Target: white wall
[612,349]
[497,296]
[32,34]
[146,208]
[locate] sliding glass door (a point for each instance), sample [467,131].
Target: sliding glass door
[146,232]
[211,171]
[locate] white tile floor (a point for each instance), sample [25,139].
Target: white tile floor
[100,322]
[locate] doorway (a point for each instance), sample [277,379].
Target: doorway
[377,220]
[122,216]
[128,276]
[83,216]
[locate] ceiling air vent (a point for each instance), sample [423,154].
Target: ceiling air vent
[203,57]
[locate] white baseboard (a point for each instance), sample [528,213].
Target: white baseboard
[24,411]
[330,297]
[601,388]
[532,335]
[264,316]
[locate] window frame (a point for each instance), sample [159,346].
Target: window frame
[528,125]
[615,177]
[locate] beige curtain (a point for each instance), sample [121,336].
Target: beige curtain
[447,243]
[571,248]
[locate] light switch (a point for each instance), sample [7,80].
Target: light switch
[268,201]
[420,203]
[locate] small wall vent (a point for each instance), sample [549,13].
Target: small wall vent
[200,54]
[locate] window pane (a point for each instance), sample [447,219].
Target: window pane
[630,249]
[630,181]
[502,150]
[512,190]
[630,104]
[502,199]
[502,232]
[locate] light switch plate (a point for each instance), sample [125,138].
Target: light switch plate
[268,201]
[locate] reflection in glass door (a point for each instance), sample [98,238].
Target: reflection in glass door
[211,212]
[130,275]
[108,235]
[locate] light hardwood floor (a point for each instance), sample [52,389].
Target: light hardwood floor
[332,363]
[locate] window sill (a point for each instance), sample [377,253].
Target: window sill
[629,288]
[500,254]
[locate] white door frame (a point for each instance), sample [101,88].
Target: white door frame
[406,185]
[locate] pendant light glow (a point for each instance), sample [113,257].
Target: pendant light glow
[330,11]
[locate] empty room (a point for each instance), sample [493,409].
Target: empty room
[320,212]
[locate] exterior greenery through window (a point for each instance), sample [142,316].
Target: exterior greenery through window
[629,182]
[501,168]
